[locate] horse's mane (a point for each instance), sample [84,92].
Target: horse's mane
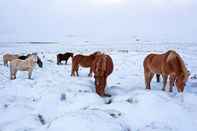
[104,65]
[173,55]
[31,57]
[101,63]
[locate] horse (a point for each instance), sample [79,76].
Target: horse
[102,67]
[64,57]
[8,58]
[39,61]
[23,65]
[169,64]
[84,61]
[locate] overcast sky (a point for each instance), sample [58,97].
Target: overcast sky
[54,20]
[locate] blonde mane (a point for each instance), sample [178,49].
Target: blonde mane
[172,55]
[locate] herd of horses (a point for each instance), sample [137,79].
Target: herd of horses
[168,65]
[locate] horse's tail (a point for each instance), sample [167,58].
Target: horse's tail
[58,59]
[4,60]
[173,55]
[75,62]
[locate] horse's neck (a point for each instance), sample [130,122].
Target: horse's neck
[173,64]
[30,61]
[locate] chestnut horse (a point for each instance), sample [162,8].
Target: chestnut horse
[84,61]
[167,64]
[64,57]
[8,58]
[23,65]
[102,68]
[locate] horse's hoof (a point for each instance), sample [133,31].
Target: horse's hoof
[12,78]
[148,89]
[163,89]
[108,95]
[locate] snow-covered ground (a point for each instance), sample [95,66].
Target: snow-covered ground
[55,101]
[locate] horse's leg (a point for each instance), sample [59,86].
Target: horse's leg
[15,71]
[58,60]
[146,80]
[29,74]
[150,77]
[77,69]
[11,73]
[90,73]
[158,77]
[72,72]
[147,76]
[66,61]
[100,90]
[104,86]
[165,78]
[73,69]
[4,62]
[172,80]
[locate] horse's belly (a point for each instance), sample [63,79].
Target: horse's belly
[23,68]
[86,65]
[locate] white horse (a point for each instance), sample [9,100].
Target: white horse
[23,65]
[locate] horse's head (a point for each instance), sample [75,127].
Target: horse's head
[34,57]
[100,83]
[181,81]
[39,62]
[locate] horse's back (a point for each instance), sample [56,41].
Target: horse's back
[154,63]
[84,61]
[68,54]
[103,61]
[10,57]
[149,59]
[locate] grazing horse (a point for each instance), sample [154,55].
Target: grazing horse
[23,65]
[167,64]
[64,57]
[84,61]
[8,58]
[39,61]
[102,68]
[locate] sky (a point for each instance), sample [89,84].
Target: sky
[59,20]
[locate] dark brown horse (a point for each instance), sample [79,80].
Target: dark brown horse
[102,68]
[167,64]
[64,57]
[84,61]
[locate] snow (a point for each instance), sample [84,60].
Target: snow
[131,107]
